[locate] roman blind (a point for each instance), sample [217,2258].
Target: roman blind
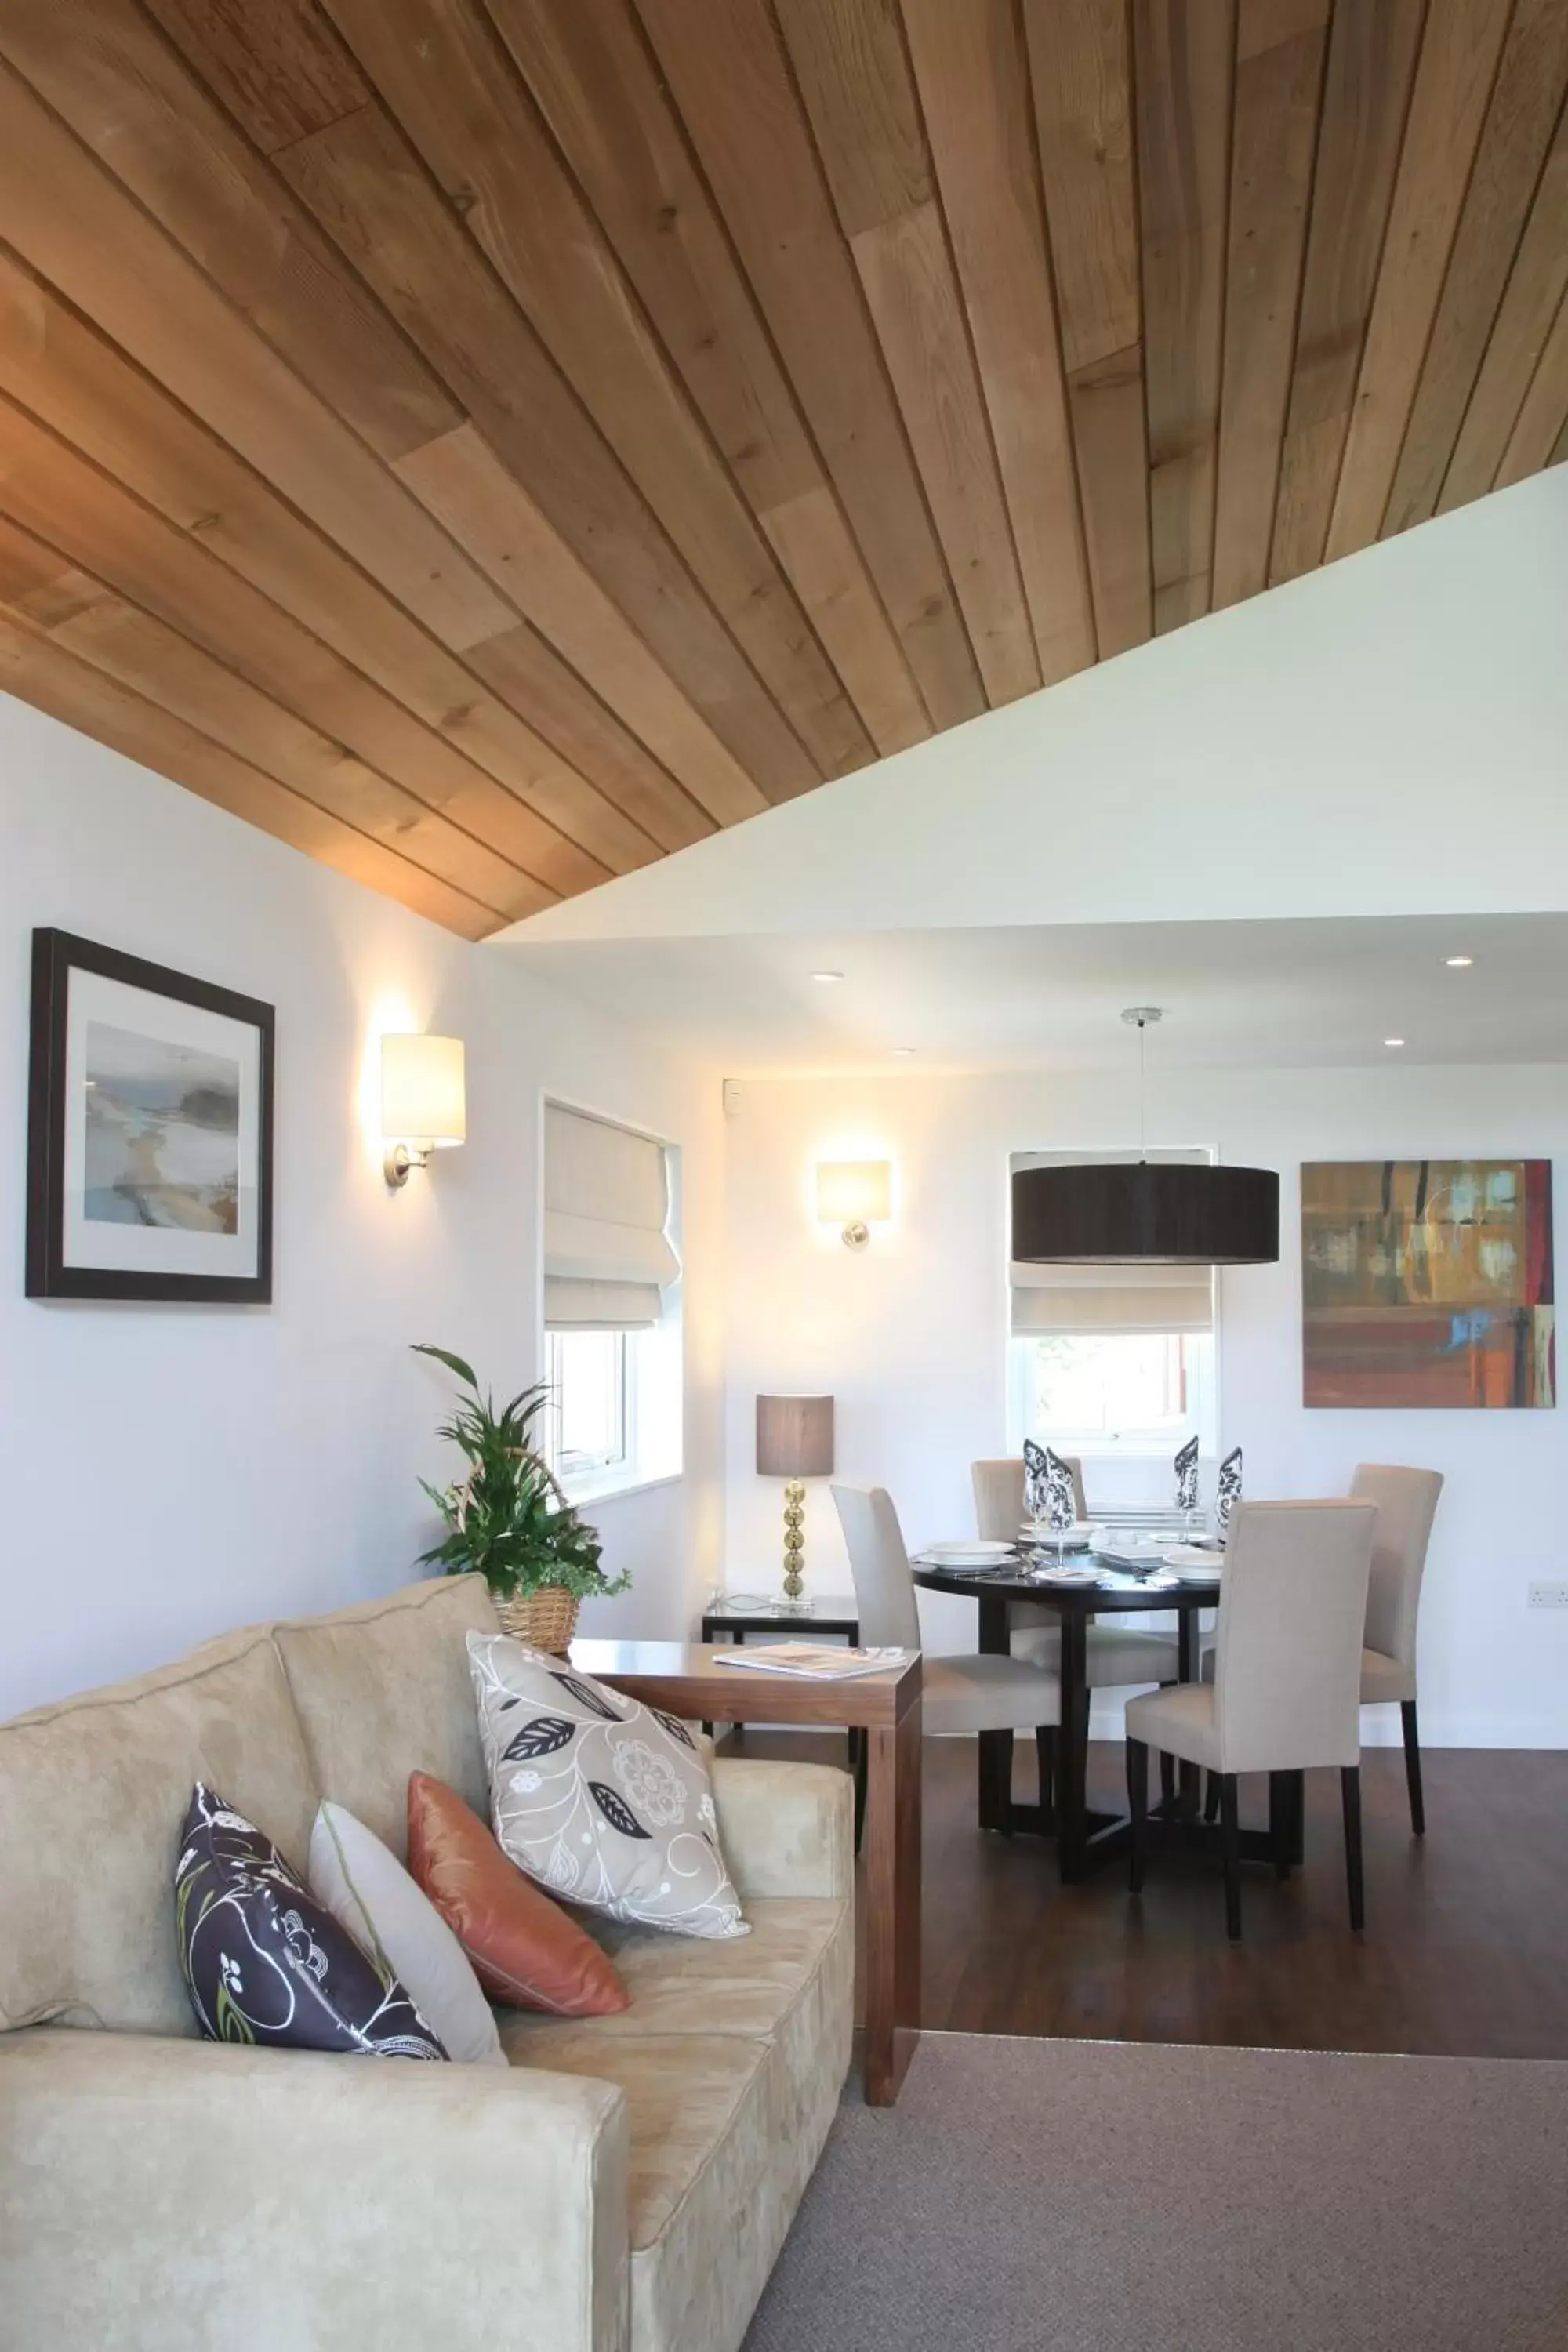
[607,1256]
[1087,1298]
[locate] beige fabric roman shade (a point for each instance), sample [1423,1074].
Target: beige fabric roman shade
[1087,1299]
[607,1258]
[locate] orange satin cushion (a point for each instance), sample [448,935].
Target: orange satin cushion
[525,1951]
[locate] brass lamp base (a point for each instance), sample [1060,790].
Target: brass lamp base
[794,1542]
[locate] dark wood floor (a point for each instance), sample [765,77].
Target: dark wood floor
[1465,1952]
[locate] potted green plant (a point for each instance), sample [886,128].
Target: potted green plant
[507,1518]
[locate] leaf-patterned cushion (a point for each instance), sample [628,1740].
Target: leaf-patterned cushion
[264,1961]
[603,1801]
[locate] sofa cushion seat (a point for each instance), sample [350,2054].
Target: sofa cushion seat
[732,2057]
[680,1985]
[712,2183]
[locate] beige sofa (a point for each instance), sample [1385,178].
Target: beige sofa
[627,2183]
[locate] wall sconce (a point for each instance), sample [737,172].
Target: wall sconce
[423,1104]
[856,1195]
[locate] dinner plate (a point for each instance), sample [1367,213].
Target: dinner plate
[1067,1575]
[969,1554]
[1072,1538]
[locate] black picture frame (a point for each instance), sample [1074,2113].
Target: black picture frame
[56,956]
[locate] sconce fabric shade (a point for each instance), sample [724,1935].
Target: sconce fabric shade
[853,1191]
[423,1098]
[794,1437]
[608,1258]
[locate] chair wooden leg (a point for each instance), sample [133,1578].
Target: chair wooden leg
[1350,1793]
[1211,1797]
[1281,1800]
[1167,1777]
[1046,1752]
[1230,1847]
[1137,1807]
[1413,1767]
[859,1753]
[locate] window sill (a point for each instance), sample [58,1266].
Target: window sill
[607,1486]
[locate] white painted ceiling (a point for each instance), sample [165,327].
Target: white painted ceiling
[1308,995]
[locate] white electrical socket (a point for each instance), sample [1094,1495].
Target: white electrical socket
[1549,1596]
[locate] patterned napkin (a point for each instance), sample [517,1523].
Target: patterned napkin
[1229,1492]
[1187,1476]
[1048,1488]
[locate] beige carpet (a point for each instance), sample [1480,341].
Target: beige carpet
[1115,2197]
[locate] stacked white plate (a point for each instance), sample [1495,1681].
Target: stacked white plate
[1194,1564]
[968,1558]
[1073,1539]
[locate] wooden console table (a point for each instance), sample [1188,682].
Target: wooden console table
[693,1680]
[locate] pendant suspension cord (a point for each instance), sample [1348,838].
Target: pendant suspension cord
[1142,1099]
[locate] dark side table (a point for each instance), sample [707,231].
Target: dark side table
[833,1613]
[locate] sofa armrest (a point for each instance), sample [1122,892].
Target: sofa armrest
[158,2192]
[786,1829]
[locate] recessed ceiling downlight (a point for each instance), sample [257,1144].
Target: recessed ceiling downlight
[825,976]
[1458,964]
[1393,1042]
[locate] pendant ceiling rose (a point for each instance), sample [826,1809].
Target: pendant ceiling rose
[1144,1212]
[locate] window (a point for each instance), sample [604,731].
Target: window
[586,1417]
[611,1269]
[1113,1391]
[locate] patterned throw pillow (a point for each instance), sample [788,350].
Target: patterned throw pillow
[603,1801]
[264,1962]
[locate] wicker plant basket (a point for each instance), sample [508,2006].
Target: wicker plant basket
[545,1620]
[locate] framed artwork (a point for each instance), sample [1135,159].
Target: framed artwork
[149,1132]
[1428,1281]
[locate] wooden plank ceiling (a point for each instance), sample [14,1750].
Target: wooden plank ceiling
[491,443]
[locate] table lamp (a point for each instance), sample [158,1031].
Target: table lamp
[794,1441]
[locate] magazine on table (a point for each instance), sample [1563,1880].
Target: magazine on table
[821,1662]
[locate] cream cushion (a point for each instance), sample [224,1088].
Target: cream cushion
[726,2046]
[1178,1722]
[93,1795]
[394,1923]
[1383,1679]
[1116,1654]
[988,1694]
[383,1690]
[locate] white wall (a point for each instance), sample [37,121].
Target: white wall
[170,1472]
[909,1336]
[1377,738]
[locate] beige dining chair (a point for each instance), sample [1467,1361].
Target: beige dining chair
[1286,1692]
[1118,1655]
[958,1694]
[1406,1504]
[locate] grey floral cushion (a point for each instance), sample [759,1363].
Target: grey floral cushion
[605,1802]
[265,1962]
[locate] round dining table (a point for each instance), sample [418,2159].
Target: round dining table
[1084,1837]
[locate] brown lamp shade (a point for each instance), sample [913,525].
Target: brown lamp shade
[794,1436]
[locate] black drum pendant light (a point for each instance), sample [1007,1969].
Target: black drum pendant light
[1142,1211]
